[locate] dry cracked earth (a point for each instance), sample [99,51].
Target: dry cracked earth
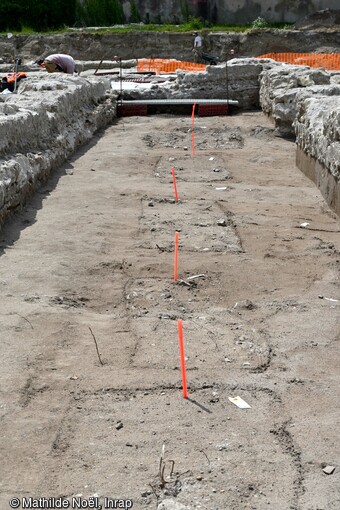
[89,262]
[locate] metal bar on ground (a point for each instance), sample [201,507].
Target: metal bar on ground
[179,101]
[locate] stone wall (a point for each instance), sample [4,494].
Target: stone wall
[282,86]
[317,127]
[238,81]
[304,103]
[230,11]
[42,125]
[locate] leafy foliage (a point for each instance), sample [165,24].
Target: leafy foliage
[135,16]
[100,13]
[185,10]
[260,23]
[42,15]
[10,15]
[37,14]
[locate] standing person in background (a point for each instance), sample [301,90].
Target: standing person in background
[197,47]
[58,63]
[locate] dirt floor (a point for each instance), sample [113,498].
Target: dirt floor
[91,257]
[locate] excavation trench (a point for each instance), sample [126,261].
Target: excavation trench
[51,116]
[95,249]
[91,399]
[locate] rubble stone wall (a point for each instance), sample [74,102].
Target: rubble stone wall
[317,128]
[283,86]
[304,103]
[230,11]
[42,125]
[238,81]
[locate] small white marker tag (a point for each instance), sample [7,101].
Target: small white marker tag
[239,402]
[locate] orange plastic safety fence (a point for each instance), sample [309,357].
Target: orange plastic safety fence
[161,65]
[329,61]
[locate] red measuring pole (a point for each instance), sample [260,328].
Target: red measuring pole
[193,130]
[176,258]
[182,356]
[175,183]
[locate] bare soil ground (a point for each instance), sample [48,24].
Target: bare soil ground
[94,249]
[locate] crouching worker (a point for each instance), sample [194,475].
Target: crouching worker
[58,63]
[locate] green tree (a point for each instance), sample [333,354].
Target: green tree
[37,14]
[185,10]
[11,14]
[134,16]
[94,12]
[119,17]
[100,12]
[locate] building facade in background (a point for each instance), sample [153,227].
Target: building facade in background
[227,11]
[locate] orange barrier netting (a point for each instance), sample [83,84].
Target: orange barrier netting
[330,61]
[161,65]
